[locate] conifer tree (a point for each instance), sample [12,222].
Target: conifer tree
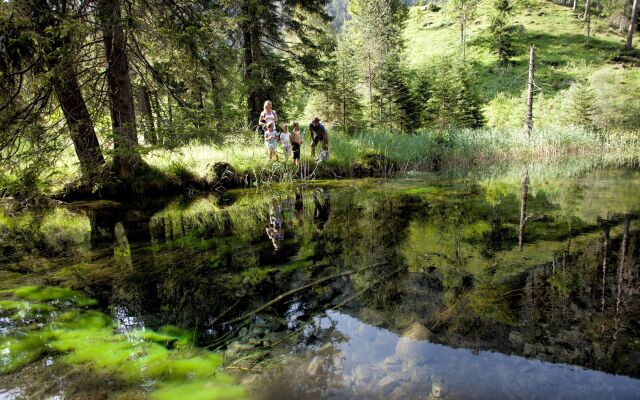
[582,106]
[502,32]
[454,99]
[378,27]
[345,98]
[278,42]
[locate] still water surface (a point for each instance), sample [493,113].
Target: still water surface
[519,285]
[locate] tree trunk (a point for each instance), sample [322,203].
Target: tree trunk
[79,121]
[216,99]
[147,116]
[463,37]
[586,9]
[251,57]
[159,117]
[528,118]
[60,63]
[524,193]
[370,90]
[170,112]
[622,256]
[632,25]
[344,98]
[126,156]
[587,23]
[575,6]
[605,255]
[380,110]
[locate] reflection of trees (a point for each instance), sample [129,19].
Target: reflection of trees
[524,192]
[451,258]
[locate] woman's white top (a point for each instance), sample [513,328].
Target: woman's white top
[269,117]
[285,138]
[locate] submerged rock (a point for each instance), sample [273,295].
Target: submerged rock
[316,366]
[370,316]
[235,348]
[437,391]
[417,331]
[250,380]
[516,338]
[387,383]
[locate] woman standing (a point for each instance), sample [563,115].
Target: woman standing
[268,116]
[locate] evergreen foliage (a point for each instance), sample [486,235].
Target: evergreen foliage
[582,106]
[502,32]
[345,101]
[454,98]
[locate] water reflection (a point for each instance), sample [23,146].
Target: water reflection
[471,288]
[274,230]
[322,208]
[375,363]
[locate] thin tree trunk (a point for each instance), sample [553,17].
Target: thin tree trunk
[632,25]
[528,118]
[380,110]
[605,255]
[216,98]
[463,37]
[147,116]
[524,193]
[587,22]
[587,3]
[159,116]
[622,256]
[126,157]
[370,91]
[251,57]
[248,62]
[575,6]
[344,98]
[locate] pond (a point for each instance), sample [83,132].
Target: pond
[510,284]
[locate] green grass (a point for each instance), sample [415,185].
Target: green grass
[562,58]
[379,153]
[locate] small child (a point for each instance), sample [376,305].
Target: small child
[296,142]
[285,140]
[271,140]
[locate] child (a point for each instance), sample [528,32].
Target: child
[271,140]
[296,142]
[285,140]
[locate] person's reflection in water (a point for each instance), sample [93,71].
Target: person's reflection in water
[322,209]
[274,230]
[299,207]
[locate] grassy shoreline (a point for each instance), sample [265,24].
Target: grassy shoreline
[243,161]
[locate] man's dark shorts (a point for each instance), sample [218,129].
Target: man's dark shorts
[296,150]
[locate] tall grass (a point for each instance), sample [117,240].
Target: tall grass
[376,152]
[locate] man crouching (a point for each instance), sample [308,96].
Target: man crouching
[318,133]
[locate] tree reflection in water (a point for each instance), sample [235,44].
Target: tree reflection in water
[449,256]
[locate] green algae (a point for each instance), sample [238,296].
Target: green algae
[15,352]
[14,305]
[168,335]
[50,293]
[21,310]
[87,338]
[200,390]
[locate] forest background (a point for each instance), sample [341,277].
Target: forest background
[157,93]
